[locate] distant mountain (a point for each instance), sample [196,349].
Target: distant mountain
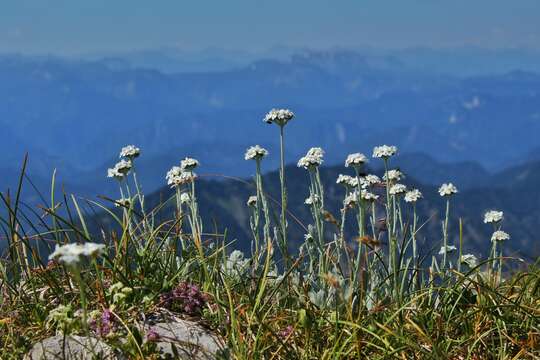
[75,115]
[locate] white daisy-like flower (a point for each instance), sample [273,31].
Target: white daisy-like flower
[448,189]
[449,249]
[188,164]
[371,180]
[368,196]
[255,153]
[316,151]
[500,235]
[413,196]
[252,201]
[313,159]
[71,254]
[312,199]
[393,175]
[470,260]
[384,151]
[351,199]
[493,217]
[356,160]
[120,169]
[176,176]
[347,181]
[278,116]
[130,152]
[122,203]
[398,189]
[184,198]
[175,171]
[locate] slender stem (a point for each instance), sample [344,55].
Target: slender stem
[283,192]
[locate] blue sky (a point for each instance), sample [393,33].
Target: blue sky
[92,26]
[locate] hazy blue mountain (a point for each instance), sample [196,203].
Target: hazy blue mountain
[75,115]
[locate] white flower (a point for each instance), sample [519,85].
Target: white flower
[355,160]
[120,169]
[312,199]
[252,201]
[313,158]
[470,260]
[347,180]
[393,175]
[70,254]
[278,116]
[413,196]
[447,189]
[370,180]
[255,153]
[449,249]
[176,176]
[493,217]
[236,265]
[308,237]
[184,198]
[188,164]
[122,203]
[384,151]
[351,199]
[130,152]
[500,235]
[398,189]
[368,196]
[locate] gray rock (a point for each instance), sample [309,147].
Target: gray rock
[189,339]
[71,348]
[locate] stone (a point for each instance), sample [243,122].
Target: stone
[71,348]
[190,340]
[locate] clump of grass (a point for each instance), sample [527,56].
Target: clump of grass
[371,296]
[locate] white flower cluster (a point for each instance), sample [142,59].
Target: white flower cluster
[384,151]
[188,164]
[120,169]
[370,180]
[413,196]
[493,217]
[500,235]
[347,181]
[252,201]
[447,189]
[368,196]
[130,152]
[177,177]
[351,199]
[278,116]
[398,189]
[255,153]
[356,160]
[184,198]
[313,159]
[448,249]
[470,260]
[71,254]
[312,199]
[236,264]
[393,175]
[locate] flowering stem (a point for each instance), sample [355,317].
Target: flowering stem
[283,193]
[445,233]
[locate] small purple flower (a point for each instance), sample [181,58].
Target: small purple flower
[286,333]
[185,297]
[152,335]
[105,324]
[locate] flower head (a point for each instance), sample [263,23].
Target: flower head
[448,249]
[278,116]
[470,260]
[493,217]
[188,164]
[71,254]
[130,151]
[370,180]
[184,198]
[393,175]
[351,199]
[255,153]
[312,199]
[347,181]
[177,177]
[356,160]
[384,151]
[447,189]
[312,159]
[252,201]
[368,196]
[413,196]
[120,169]
[398,189]
[500,235]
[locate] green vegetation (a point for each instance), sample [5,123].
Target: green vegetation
[332,298]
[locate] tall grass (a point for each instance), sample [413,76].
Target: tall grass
[334,297]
